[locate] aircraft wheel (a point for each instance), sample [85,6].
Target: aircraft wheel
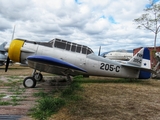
[38,76]
[29,82]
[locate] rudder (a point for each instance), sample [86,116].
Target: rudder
[145,64]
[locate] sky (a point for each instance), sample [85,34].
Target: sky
[106,23]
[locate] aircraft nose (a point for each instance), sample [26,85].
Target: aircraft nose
[14,51]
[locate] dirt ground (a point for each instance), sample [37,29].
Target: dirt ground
[105,100]
[24,100]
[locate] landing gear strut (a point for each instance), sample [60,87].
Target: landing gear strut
[38,76]
[69,78]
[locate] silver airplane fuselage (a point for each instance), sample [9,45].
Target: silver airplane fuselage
[93,64]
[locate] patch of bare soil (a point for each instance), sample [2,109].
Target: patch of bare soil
[14,98]
[19,100]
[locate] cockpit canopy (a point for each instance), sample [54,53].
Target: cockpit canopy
[70,46]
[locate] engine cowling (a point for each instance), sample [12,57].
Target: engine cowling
[14,51]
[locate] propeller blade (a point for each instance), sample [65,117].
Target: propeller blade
[99,53]
[13,32]
[8,59]
[7,64]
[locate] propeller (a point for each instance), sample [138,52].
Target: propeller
[99,53]
[7,64]
[8,59]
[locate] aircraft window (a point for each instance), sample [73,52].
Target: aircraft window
[51,42]
[78,48]
[68,45]
[58,39]
[46,44]
[73,48]
[89,51]
[60,44]
[84,49]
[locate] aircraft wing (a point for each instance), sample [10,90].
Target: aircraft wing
[53,65]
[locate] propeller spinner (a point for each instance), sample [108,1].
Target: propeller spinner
[14,52]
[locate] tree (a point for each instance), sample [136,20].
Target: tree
[150,20]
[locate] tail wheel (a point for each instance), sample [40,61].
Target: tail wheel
[29,82]
[38,76]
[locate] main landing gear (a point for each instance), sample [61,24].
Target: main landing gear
[30,82]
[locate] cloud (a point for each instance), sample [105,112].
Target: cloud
[4,24]
[106,23]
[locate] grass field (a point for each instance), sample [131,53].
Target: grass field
[105,98]
[116,100]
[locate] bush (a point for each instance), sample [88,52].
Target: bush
[46,107]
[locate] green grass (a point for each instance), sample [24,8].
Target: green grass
[14,77]
[51,102]
[16,99]
[2,95]
[12,81]
[4,103]
[115,80]
[40,94]
[17,94]
[70,93]
[46,107]
[15,91]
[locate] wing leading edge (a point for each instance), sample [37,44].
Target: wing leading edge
[37,61]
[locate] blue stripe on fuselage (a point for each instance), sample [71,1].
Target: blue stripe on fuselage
[53,61]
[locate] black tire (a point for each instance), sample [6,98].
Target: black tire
[38,76]
[29,82]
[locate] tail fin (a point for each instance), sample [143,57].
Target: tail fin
[142,60]
[2,49]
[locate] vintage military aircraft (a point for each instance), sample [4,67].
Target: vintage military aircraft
[3,52]
[119,55]
[67,58]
